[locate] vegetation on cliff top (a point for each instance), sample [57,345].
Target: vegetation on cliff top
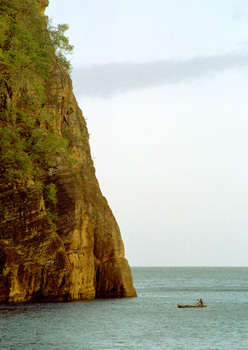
[29,44]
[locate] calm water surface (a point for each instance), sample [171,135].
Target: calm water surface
[151,321]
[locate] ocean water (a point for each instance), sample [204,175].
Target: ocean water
[150,321]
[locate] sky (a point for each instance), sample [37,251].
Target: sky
[163,87]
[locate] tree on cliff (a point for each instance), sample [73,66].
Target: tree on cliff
[60,43]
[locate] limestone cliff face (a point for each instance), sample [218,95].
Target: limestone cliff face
[78,256]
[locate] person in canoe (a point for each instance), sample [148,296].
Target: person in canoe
[200,302]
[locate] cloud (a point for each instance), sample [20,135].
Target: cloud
[104,80]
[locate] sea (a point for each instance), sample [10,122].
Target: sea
[150,321]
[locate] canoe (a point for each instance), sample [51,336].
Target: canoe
[194,306]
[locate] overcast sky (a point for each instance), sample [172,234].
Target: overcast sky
[163,87]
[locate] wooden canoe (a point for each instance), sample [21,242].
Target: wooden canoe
[194,306]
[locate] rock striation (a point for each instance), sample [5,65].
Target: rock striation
[76,253]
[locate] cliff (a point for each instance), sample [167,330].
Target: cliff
[59,240]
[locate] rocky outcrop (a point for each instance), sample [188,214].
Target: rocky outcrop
[70,249]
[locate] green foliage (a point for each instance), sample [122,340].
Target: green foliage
[24,51]
[27,46]
[55,219]
[16,164]
[27,50]
[60,43]
[39,185]
[50,193]
[44,146]
[23,150]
